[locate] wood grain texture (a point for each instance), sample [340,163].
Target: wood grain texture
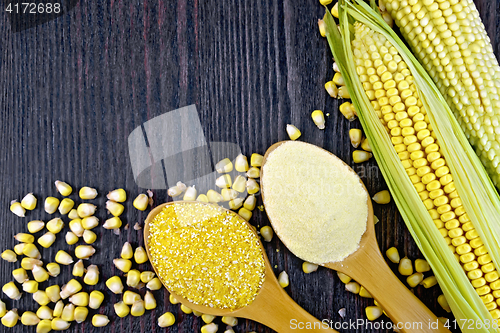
[72,90]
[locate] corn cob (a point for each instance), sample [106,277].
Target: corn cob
[449,40]
[435,178]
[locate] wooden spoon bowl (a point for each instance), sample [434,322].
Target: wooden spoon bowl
[368,267]
[272,306]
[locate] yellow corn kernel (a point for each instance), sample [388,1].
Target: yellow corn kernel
[63,258]
[39,273]
[89,236]
[293,132]
[364,293]
[70,288]
[20,275]
[253,172]
[89,222]
[267,233]
[44,313]
[283,279]
[373,312]
[202,198]
[28,318]
[405,267]
[80,299]
[9,255]
[66,205]
[81,314]
[99,320]
[149,301]
[17,208]
[30,286]
[29,201]
[58,309]
[115,284]
[10,319]
[95,299]
[207,319]
[10,289]
[382,197]
[322,28]
[365,144]
[140,255]
[55,225]
[229,194]
[51,205]
[166,320]
[338,79]
[252,186]
[58,324]
[245,214]
[35,226]
[241,163]
[53,293]
[73,214]
[393,255]
[53,269]
[141,202]
[121,309]
[44,326]
[87,193]
[28,263]
[137,309]
[3,309]
[224,166]
[209,328]
[308,267]
[235,203]
[123,265]
[76,227]
[230,321]
[347,109]
[360,156]
[63,188]
[92,276]
[250,202]
[24,238]
[47,239]
[114,208]
[344,278]
[444,303]
[40,296]
[78,268]
[172,299]
[18,248]
[112,223]
[86,209]
[118,195]
[331,89]
[414,279]
[84,251]
[353,287]
[71,238]
[256,160]
[319,118]
[185,309]
[154,284]
[224,181]
[127,251]
[422,266]
[355,135]
[147,276]
[133,278]
[429,282]
[214,196]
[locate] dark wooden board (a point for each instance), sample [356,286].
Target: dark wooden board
[73,89]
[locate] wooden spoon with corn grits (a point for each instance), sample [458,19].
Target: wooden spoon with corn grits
[368,267]
[272,306]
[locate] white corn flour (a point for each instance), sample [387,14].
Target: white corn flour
[316,204]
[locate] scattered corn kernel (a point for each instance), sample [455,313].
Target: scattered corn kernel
[24,238]
[319,118]
[207,319]
[95,299]
[3,309]
[18,248]
[422,266]
[133,278]
[224,181]
[44,326]
[166,320]
[53,293]
[253,172]
[114,208]
[235,203]
[373,312]
[66,205]
[209,328]
[84,251]
[89,236]
[382,197]
[118,195]
[405,267]
[214,196]
[28,318]
[58,324]
[322,28]
[149,301]
[147,276]
[78,268]
[20,275]
[308,267]
[137,309]
[283,279]
[73,214]
[71,238]
[35,226]
[331,89]
[444,303]
[31,251]
[366,145]
[360,156]
[414,279]
[51,205]
[172,299]
[239,184]
[252,186]
[68,313]
[429,282]
[70,288]
[10,319]
[87,193]
[245,214]
[58,308]
[9,255]
[140,255]
[30,286]
[141,201]
[89,222]
[86,209]
[127,251]
[353,287]
[256,160]
[10,289]
[92,276]
[29,201]
[267,233]
[293,132]
[154,284]
[53,269]
[44,313]
[344,93]
[55,225]
[228,194]
[347,109]
[64,188]
[80,299]
[115,284]
[100,320]
[40,296]
[63,258]
[47,239]
[364,293]
[202,198]
[81,314]
[17,208]
[344,278]
[28,263]
[112,223]
[241,163]
[230,321]
[39,273]
[393,255]
[338,79]
[185,309]
[355,135]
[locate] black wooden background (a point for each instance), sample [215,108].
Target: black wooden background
[72,90]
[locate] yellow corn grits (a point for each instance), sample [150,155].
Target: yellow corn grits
[316,203]
[207,255]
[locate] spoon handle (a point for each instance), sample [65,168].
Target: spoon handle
[280,312]
[401,305]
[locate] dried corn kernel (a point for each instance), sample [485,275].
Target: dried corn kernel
[78,268]
[214,196]
[71,238]
[239,184]
[28,263]
[364,293]
[63,258]
[118,195]
[100,320]
[76,227]
[20,275]
[414,279]
[444,303]
[140,255]
[393,255]
[44,313]
[112,223]
[115,284]
[360,156]
[53,269]
[30,286]
[245,213]
[66,205]
[256,160]
[92,276]
[147,276]
[51,205]
[87,193]
[40,296]
[121,309]
[64,188]
[154,284]
[95,299]
[55,225]
[422,266]
[81,314]
[39,273]
[224,181]
[137,309]
[293,132]
[10,319]
[253,172]
[241,163]
[355,135]
[58,324]
[166,320]
[353,287]
[319,118]
[86,209]
[53,293]
[405,267]
[133,278]
[429,282]
[24,238]
[35,226]
[331,89]
[17,208]
[44,326]
[283,279]
[89,236]
[73,214]
[84,251]
[347,109]
[47,239]
[9,255]
[80,299]
[235,203]
[114,208]
[10,289]
[382,197]
[267,233]
[90,222]
[127,251]
[224,166]
[308,267]
[141,202]
[373,312]
[29,201]
[70,288]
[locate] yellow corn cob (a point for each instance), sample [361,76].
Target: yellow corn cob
[389,86]
[451,43]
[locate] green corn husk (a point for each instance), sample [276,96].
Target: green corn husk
[479,197]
